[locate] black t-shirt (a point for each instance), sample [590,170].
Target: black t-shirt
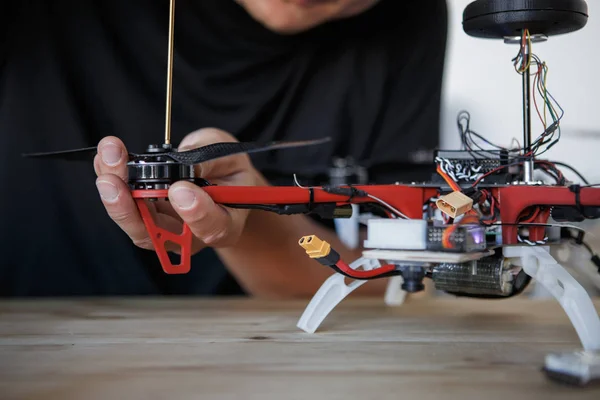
[73,72]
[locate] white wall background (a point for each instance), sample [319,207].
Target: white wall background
[480,78]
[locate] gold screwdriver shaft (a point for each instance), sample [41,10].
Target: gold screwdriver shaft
[169,73]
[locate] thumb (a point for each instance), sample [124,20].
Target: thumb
[214,225]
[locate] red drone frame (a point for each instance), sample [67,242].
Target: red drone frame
[513,201]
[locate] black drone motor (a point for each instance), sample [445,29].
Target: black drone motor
[157,170]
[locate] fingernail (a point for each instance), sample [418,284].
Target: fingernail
[107,190]
[184,198]
[111,154]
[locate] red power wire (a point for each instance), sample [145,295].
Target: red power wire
[345,268]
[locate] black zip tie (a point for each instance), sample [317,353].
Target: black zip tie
[576,188]
[579,238]
[353,193]
[349,191]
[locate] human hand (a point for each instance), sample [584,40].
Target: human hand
[212,225]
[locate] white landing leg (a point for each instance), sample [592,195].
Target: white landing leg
[577,259]
[334,290]
[579,367]
[347,229]
[394,295]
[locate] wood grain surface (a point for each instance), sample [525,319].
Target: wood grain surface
[250,349]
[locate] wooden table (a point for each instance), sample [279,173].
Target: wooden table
[239,349]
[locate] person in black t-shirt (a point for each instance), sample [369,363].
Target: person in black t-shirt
[366,73]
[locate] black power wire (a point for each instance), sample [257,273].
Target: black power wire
[578,240]
[572,169]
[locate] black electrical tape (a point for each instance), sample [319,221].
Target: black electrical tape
[596,261]
[579,238]
[351,192]
[330,259]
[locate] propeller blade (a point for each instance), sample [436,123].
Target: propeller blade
[218,150]
[84,154]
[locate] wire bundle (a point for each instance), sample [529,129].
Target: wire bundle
[549,137]
[523,63]
[459,171]
[468,136]
[550,116]
[488,207]
[452,183]
[468,219]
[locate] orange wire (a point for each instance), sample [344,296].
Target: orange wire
[448,232]
[448,180]
[446,236]
[470,217]
[536,81]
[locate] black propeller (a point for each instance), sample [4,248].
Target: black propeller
[83,154]
[189,157]
[217,150]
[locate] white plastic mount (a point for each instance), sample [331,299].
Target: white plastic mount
[577,304]
[335,289]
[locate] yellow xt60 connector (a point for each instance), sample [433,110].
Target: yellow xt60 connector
[315,247]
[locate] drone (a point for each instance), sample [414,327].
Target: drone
[479,228]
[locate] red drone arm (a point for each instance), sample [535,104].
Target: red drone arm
[408,199]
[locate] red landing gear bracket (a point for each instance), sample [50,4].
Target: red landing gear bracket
[160,236]
[515,199]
